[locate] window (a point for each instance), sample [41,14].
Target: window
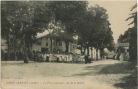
[56,43]
[60,43]
[46,43]
[44,50]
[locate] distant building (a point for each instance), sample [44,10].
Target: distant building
[124,45]
[94,55]
[109,54]
[122,51]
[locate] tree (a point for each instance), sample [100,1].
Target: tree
[17,16]
[133,35]
[54,29]
[130,36]
[124,38]
[75,15]
[20,23]
[22,20]
[97,32]
[69,14]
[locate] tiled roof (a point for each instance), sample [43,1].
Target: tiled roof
[123,45]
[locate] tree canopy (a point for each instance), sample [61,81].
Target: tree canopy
[24,19]
[97,32]
[130,36]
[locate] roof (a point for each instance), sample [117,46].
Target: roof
[59,36]
[122,45]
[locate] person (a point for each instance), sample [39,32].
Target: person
[57,59]
[86,59]
[121,57]
[25,58]
[44,57]
[47,58]
[89,59]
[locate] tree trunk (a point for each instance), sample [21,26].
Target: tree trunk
[96,53]
[14,47]
[101,53]
[87,50]
[51,45]
[8,41]
[92,53]
[81,50]
[25,51]
[84,50]
[67,46]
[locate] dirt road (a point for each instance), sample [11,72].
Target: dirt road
[105,74]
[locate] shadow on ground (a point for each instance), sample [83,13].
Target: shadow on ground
[117,68]
[127,82]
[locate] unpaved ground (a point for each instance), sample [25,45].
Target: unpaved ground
[97,75]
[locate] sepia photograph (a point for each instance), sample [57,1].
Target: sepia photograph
[71,44]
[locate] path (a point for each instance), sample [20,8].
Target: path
[97,75]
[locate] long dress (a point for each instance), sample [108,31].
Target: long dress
[121,57]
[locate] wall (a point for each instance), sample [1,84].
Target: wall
[4,45]
[92,53]
[56,45]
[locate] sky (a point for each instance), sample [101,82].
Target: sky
[118,11]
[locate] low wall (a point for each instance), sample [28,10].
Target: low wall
[62,58]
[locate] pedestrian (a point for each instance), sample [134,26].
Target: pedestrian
[89,59]
[57,59]
[86,59]
[44,57]
[25,57]
[47,58]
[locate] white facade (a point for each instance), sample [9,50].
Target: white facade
[92,53]
[53,45]
[4,45]
[123,55]
[36,47]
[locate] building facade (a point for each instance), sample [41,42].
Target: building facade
[4,45]
[53,45]
[122,51]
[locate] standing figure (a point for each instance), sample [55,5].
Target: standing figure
[89,59]
[86,59]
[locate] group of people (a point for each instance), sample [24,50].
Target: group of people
[18,55]
[45,57]
[122,54]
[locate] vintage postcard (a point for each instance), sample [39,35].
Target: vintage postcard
[82,44]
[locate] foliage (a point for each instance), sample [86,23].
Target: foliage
[97,32]
[21,21]
[124,38]
[133,37]
[68,12]
[130,35]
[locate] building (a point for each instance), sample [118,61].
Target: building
[125,46]
[4,45]
[93,53]
[122,51]
[55,44]
[109,54]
